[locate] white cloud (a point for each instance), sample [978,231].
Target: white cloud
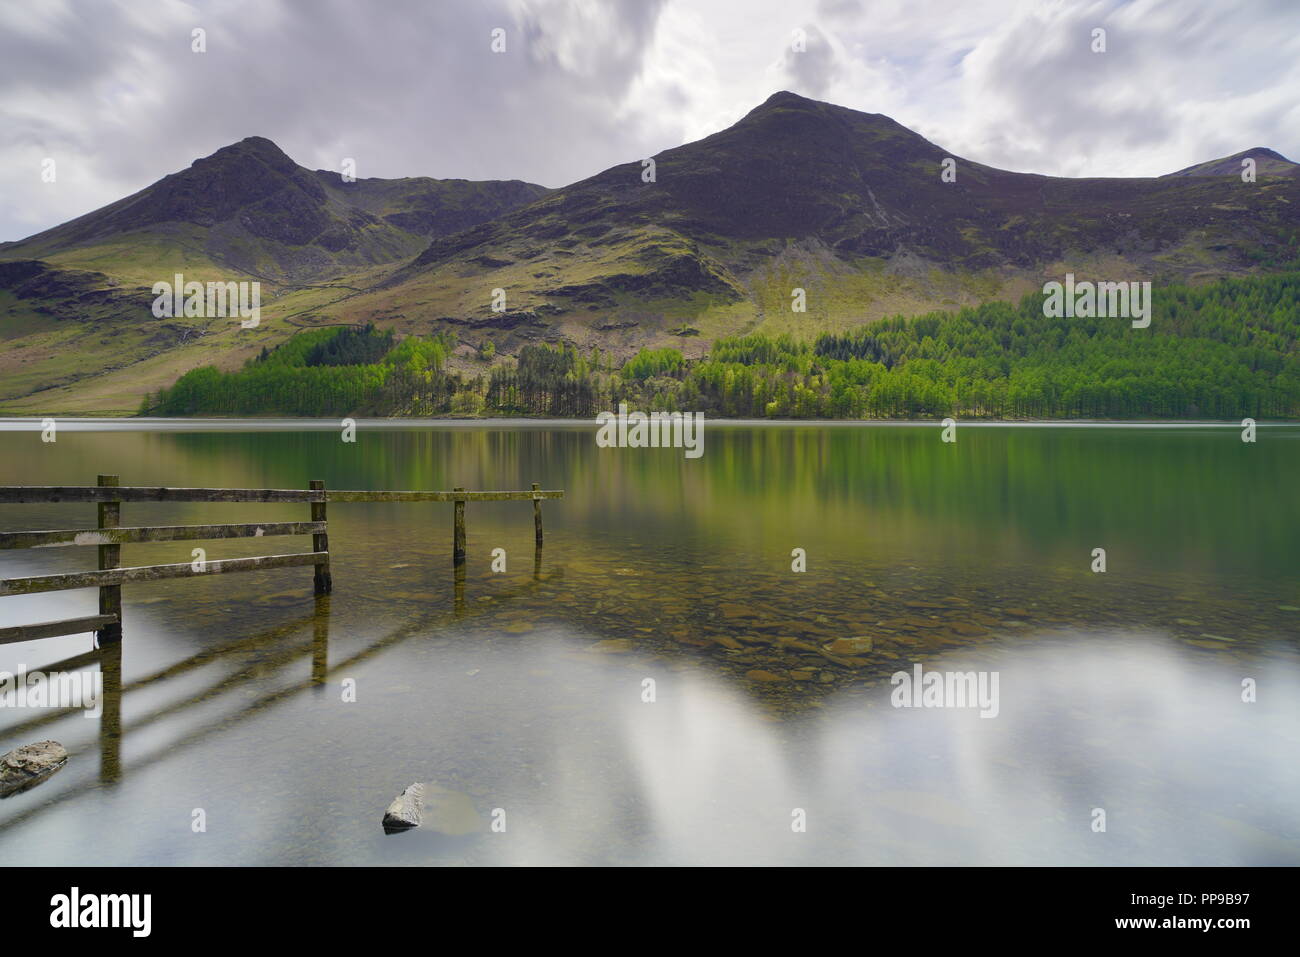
[113,93]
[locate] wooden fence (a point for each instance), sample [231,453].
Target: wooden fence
[110,535]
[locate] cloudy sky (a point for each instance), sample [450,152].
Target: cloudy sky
[115,94]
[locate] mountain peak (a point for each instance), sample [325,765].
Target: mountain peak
[1267,163]
[786,113]
[781,97]
[256,148]
[784,100]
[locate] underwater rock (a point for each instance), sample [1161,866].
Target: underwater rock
[860,645]
[613,646]
[29,765]
[735,610]
[449,812]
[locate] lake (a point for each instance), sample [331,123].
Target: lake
[659,686]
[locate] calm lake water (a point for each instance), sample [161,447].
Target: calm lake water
[526,690]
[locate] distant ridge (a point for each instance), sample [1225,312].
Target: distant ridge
[1267,163]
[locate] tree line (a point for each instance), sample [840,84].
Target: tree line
[1223,350]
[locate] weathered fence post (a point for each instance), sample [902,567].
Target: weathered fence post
[320,542]
[458,546]
[537,515]
[110,556]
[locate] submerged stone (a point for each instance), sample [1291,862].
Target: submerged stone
[449,812]
[734,610]
[613,646]
[860,645]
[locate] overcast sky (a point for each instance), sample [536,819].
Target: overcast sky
[113,92]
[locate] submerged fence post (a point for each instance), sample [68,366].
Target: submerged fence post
[320,542]
[458,546]
[110,556]
[320,641]
[110,718]
[537,515]
[458,590]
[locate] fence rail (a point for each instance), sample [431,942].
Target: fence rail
[153,533]
[52,629]
[453,496]
[33,494]
[149,573]
[110,535]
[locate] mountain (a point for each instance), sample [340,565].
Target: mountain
[851,207]
[75,300]
[249,207]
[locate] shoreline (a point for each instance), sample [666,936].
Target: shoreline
[18,423]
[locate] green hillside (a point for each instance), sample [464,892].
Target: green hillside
[1225,350]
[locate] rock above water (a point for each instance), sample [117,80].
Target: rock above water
[28,766]
[434,808]
[406,810]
